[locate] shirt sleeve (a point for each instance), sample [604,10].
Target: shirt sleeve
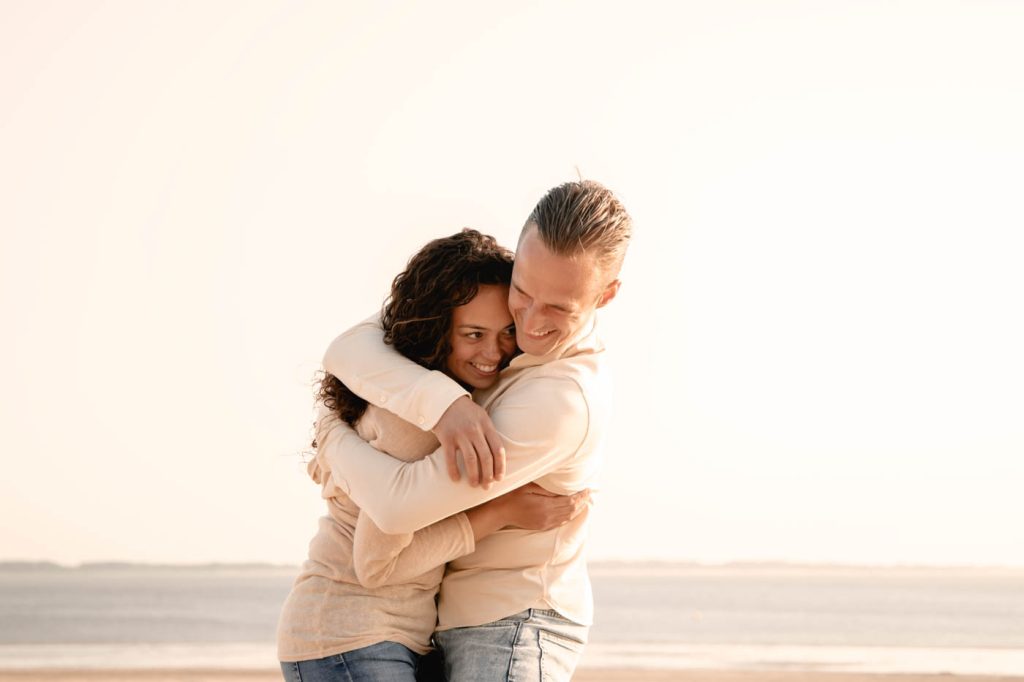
[383,559]
[380,375]
[543,422]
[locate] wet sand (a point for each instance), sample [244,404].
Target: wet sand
[587,675]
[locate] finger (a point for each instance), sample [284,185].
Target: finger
[470,462]
[580,503]
[451,457]
[497,449]
[568,514]
[483,454]
[561,507]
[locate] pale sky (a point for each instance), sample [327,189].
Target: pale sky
[817,343]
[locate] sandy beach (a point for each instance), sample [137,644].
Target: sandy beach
[581,676]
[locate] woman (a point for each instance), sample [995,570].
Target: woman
[363,606]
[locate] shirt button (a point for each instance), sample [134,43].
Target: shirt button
[421,421]
[383,400]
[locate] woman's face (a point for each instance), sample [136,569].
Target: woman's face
[483,338]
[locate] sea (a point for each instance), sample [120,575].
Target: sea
[649,615]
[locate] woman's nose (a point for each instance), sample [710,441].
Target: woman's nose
[492,351]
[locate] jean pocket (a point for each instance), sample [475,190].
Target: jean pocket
[558,656]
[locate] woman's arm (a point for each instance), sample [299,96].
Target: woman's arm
[380,558]
[530,507]
[383,559]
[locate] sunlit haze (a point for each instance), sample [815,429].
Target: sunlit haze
[816,344]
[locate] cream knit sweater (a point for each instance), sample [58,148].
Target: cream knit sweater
[361,586]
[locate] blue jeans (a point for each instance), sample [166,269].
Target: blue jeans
[532,646]
[381,662]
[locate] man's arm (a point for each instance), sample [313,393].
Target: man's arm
[429,399]
[380,375]
[543,422]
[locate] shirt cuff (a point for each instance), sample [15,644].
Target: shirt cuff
[469,542]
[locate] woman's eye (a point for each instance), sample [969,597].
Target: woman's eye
[474,335]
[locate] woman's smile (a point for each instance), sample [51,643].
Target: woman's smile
[483,338]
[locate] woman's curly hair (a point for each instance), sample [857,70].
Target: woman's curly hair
[417,315]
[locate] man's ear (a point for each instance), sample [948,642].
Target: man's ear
[609,293]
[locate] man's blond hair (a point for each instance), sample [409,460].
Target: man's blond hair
[584,217]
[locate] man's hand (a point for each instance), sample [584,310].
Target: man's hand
[466,428]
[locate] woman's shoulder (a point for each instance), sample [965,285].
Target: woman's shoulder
[389,433]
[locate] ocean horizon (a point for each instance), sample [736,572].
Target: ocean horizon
[649,615]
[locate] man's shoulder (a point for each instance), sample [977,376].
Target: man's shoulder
[557,395]
[584,374]
[543,408]
[560,405]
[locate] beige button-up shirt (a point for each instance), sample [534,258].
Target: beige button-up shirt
[551,412]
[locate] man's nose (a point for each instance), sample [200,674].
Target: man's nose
[528,318]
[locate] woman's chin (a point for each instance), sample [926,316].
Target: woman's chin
[480,384]
[470,376]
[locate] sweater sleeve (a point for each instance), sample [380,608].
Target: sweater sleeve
[383,559]
[542,422]
[382,376]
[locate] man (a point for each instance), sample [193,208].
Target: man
[519,606]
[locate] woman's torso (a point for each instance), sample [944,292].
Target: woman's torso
[328,611]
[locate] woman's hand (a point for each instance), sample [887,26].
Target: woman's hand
[530,507]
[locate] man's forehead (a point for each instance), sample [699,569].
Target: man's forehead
[558,280]
[533,248]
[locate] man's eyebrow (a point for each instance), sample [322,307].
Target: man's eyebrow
[566,308]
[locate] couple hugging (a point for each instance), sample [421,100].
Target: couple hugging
[457,522]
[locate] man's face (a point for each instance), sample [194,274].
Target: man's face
[552,297]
